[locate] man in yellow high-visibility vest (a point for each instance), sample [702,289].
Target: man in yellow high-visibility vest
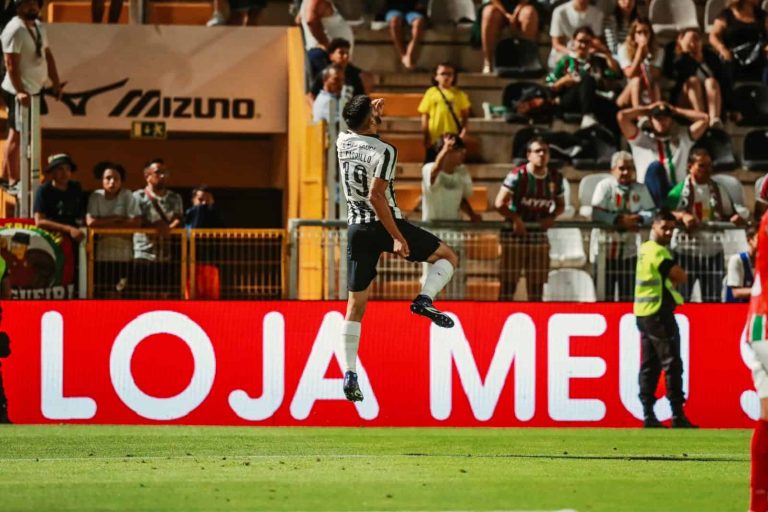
[655,303]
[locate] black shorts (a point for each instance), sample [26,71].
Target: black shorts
[246,5]
[366,242]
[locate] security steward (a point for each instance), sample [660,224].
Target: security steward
[655,302]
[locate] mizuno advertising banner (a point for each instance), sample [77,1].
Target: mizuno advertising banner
[279,363]
[194,79]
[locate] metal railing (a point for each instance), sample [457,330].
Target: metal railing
[185,264]
[573,261]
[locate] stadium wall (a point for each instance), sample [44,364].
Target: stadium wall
[277,363]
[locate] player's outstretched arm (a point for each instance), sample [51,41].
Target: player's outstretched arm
[377,197]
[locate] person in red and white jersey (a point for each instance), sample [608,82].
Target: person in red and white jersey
[758,342]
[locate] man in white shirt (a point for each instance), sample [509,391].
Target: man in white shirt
[620,201]
[333,83]
[566,18]
[699,200]
[661,149]
[322,22]
[30,66]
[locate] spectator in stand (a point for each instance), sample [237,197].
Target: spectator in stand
[521,16]
[160,208]
[739,35]
[761,197]
[414,13]
[697,76]
[59,205]
[661,147]
[322,22]
[566,18]
[530,193]
[740,274]
[30,65]
[699,200]
[447,185]
[333,82]
[203,213]
[97,11]
[444,109]
[618,24]
[642,61]
[112,206]
[356,80]
[577,78]
[626,205]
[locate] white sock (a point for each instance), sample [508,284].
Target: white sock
[440,272]
[350,335]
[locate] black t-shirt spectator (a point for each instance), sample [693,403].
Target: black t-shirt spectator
[351,78]
[63,206]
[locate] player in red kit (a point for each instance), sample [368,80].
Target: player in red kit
[758,342]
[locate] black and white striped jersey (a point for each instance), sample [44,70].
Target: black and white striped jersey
[361,158]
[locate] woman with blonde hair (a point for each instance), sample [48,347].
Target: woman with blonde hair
[641,61]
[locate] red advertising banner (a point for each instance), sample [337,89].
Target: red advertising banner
[278,363]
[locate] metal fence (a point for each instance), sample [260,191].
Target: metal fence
[574,261]
[180,264]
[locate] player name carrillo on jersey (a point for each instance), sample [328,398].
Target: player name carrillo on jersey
[362,158]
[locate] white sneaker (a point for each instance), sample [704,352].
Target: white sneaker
[588,120]
[487,69]
[487,111]
[216,20]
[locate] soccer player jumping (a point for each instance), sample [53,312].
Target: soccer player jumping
[367,167]
[758,342]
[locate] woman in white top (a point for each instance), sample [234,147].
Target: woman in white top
[641,61]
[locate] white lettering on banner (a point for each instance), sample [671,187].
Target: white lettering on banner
[562,367]
[314,386]
[750,402]
[629,366]
[54,405]
[273,374]
[203,374]
[517,343]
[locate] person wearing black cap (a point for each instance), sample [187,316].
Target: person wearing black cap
[30,67]
[59,204]
[660,149]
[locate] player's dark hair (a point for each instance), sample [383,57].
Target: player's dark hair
[100,168]
[664,215]
[446,65]
[153,162]
[337,43]
[357,111]
[535,140]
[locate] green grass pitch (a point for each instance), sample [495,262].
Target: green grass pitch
[83,468]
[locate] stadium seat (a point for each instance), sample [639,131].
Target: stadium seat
[718,144]
[408,197]
[711,11]
[599,145]
[520,141]
[444,12]
[566,248]
[587,186]
[733,185]
[477,288]
[754,152]
[569,285]
[569,210]
[479,199]
[512,94]
[399,104]
[668,18]
[751,100]
[483,246]
[518,58]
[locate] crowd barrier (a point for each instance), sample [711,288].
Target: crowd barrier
[279,363]
[572,262]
